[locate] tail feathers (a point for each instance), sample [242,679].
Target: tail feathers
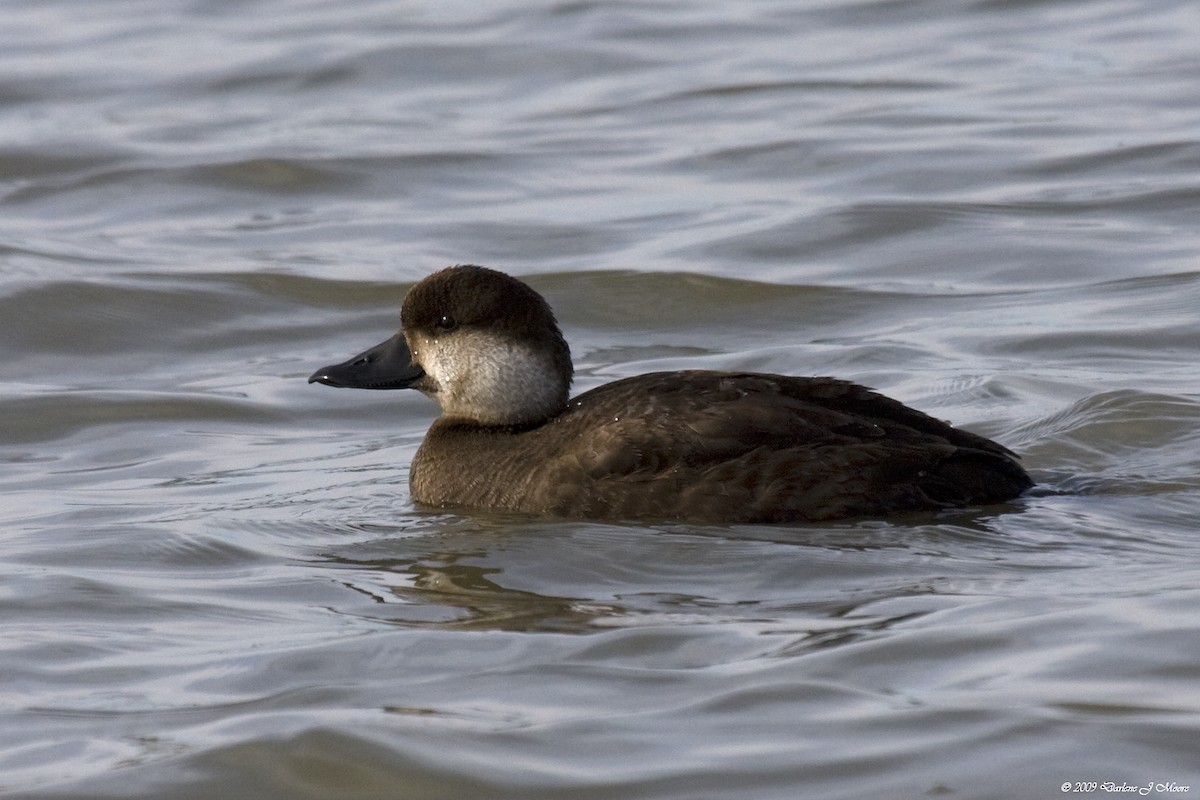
[974,477]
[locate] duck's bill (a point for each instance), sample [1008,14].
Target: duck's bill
[387,365]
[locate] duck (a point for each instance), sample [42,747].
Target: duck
[692,446]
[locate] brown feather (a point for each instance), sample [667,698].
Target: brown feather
[719,447]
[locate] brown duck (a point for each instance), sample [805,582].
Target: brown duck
[696,445]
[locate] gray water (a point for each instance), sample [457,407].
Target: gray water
[213,581]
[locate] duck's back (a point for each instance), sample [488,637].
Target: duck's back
[719,447]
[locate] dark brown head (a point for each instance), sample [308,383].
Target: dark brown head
[482,344]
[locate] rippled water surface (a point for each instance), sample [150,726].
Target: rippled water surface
[214,583]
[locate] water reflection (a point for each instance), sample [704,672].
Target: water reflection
[844,583]
[444,591]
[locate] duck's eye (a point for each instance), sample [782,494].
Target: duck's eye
[446,323]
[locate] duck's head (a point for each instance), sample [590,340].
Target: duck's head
[482,344]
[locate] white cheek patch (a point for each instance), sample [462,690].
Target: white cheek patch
[489,379]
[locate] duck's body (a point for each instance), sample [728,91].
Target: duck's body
[696,445]
[717,447]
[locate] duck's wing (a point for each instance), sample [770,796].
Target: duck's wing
[744,446]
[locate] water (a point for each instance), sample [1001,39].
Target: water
[214,583]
